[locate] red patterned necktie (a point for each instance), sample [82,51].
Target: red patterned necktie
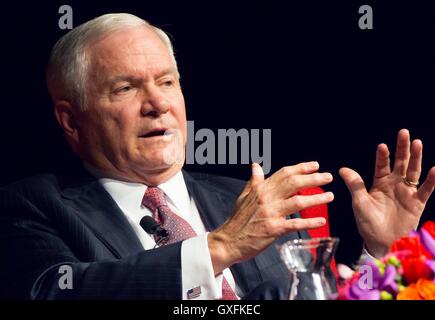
[178,228]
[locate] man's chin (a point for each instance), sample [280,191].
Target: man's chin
[155,172]
[160,165]
[162,158]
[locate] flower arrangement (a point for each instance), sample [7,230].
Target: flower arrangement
[407,272]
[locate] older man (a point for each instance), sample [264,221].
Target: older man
[117,96]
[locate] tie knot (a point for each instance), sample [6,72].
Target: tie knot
[154,199]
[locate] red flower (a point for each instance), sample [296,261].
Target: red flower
[411,245]
[415,268]
[414,261]
[429,226]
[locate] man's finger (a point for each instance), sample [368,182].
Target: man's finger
[298,203]
[298,169]
[298,224]
[402,153]
[278,226]
[292,184]
[426,189]
[354,183]
[414,167]
[382,165]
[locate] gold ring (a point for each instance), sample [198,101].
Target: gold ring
[410,183]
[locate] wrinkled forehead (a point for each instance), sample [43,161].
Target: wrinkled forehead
[133,49]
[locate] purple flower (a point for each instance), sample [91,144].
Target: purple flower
[372,282]
[375,272]
[427,241]
[388,282]
[355,292]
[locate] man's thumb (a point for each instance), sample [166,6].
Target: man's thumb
[354,182]
[256,177]
[257,174]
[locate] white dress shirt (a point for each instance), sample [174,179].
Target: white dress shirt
[197,270]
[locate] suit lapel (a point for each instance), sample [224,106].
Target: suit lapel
[96,208]
[208,201]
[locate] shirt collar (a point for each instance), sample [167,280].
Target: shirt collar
[130,194]
[176,192]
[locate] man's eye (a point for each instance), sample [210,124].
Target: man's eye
[168,83]
[123,89]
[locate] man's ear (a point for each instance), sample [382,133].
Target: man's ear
[66,116]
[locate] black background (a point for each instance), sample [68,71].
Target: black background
[329,91]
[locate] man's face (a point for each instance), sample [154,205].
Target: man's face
[133,97]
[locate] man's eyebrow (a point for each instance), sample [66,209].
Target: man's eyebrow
[166,71]
[119,78]
[127,78]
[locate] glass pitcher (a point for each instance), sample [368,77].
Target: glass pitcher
[308,261]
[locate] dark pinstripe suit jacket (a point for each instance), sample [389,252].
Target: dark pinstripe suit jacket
[51,220]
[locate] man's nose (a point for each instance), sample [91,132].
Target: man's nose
[154,105]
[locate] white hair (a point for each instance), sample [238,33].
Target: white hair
[69,61]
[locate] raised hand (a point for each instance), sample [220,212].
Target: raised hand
[259,217]
[393,206]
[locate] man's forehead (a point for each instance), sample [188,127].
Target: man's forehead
[130,42]
[130,50]
[134,66]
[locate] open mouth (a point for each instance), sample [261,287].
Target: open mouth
[155,133]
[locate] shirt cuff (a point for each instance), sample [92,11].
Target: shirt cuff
[365,255]
[199,281]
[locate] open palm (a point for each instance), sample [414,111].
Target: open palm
[392,208]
